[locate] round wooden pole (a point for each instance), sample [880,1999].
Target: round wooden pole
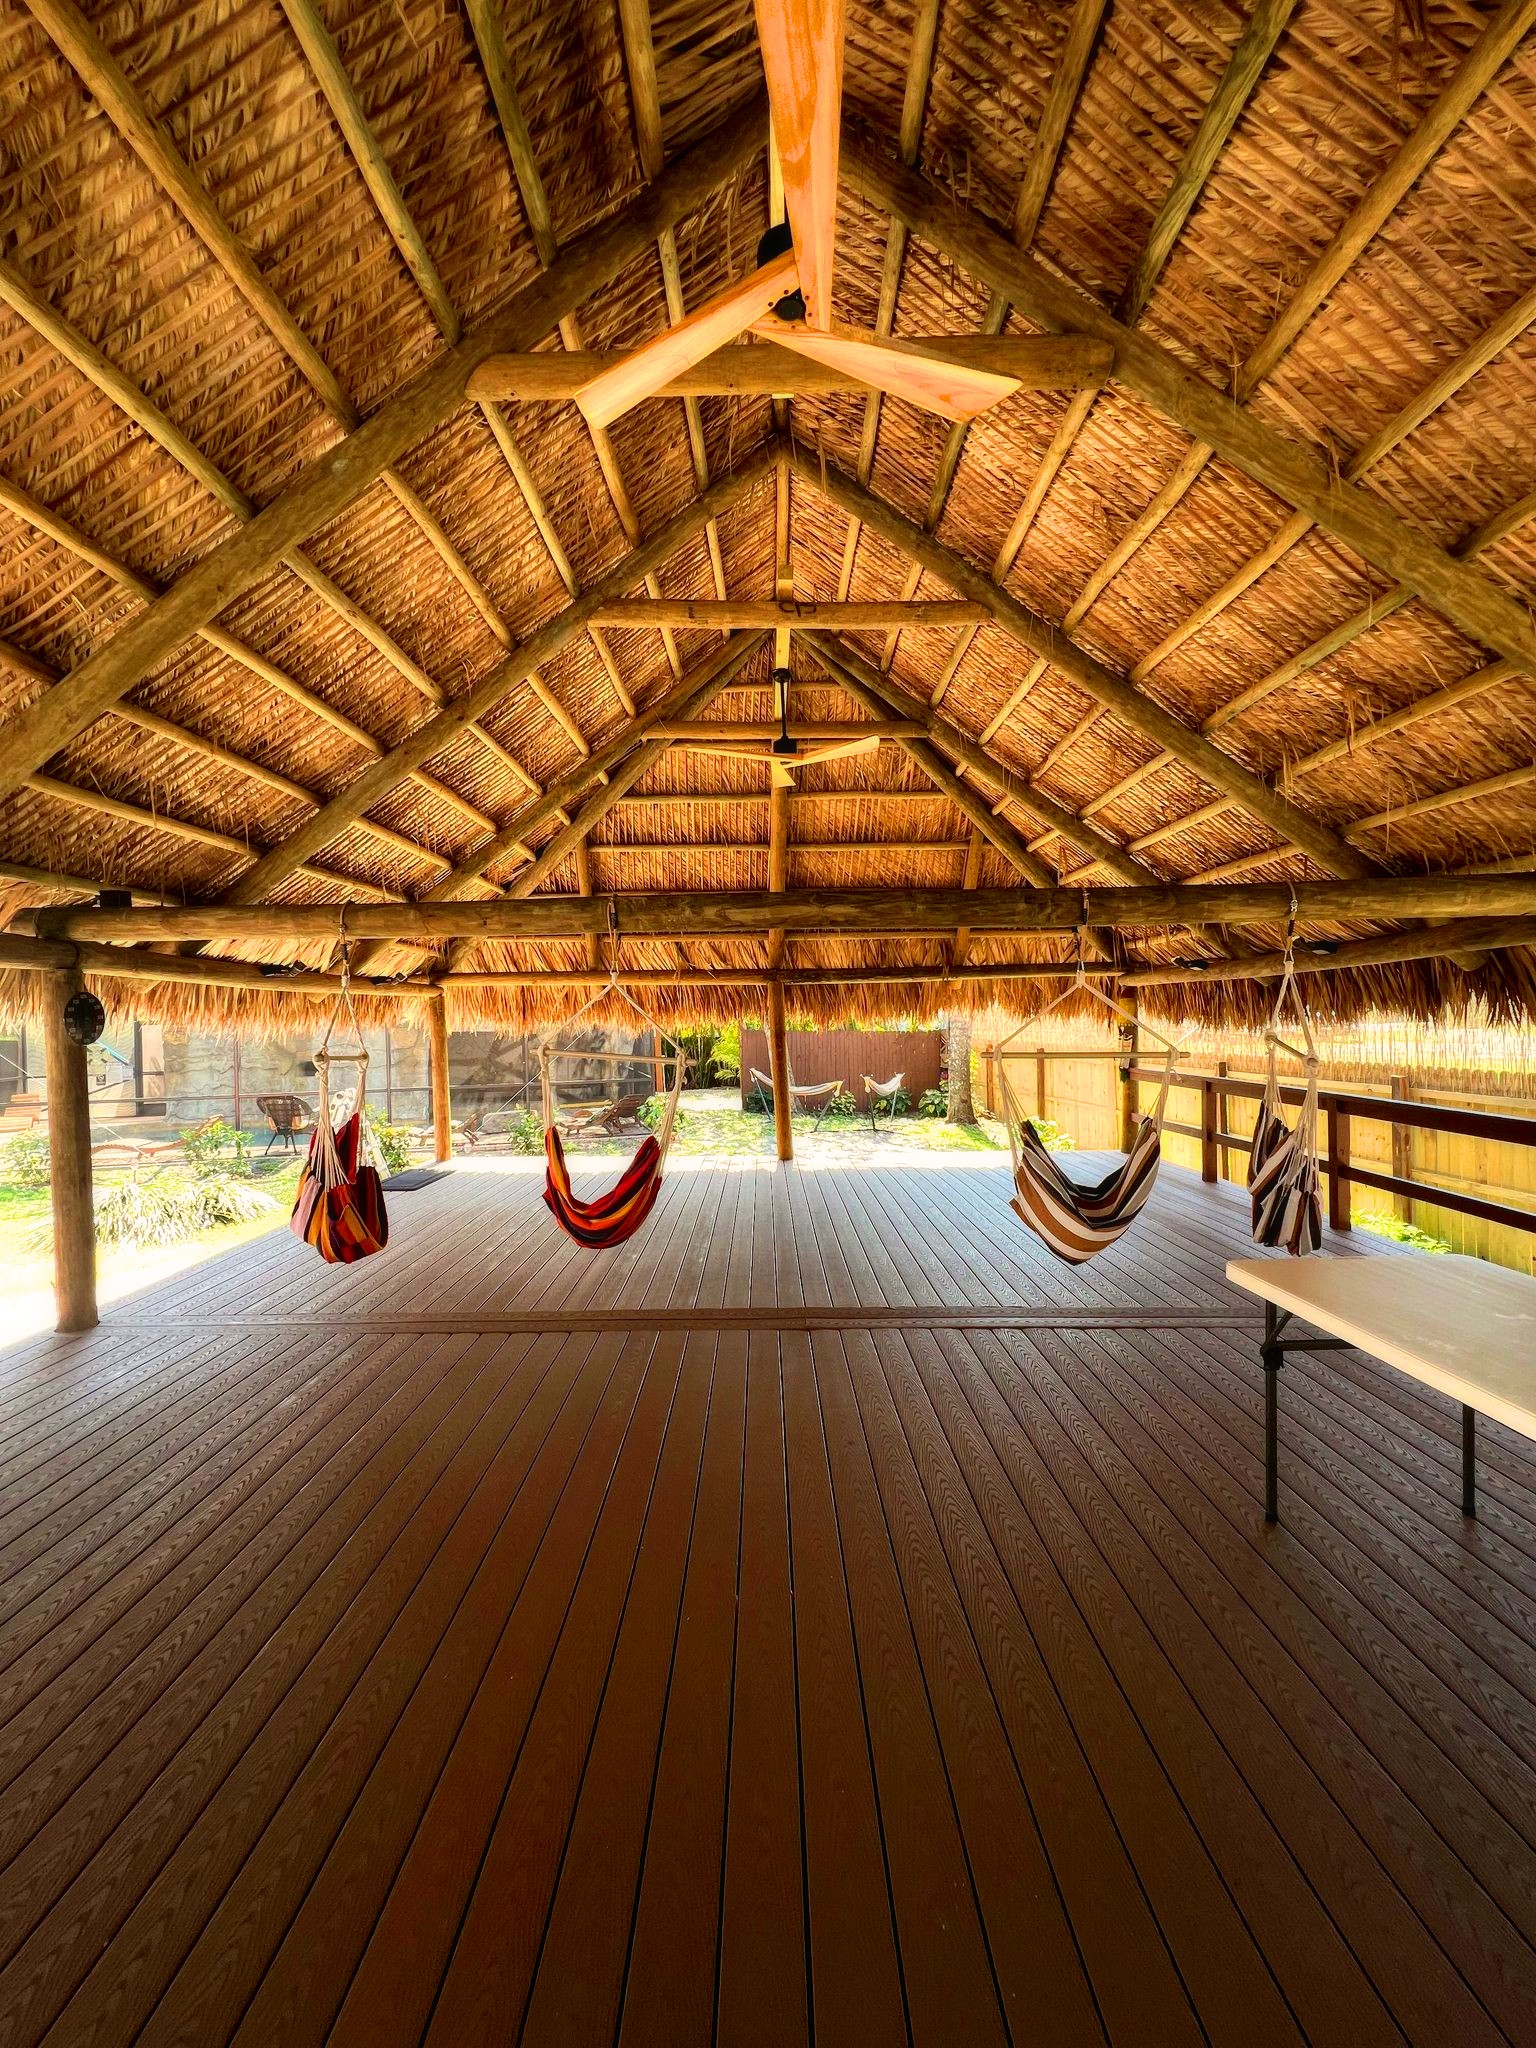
[69,1145]
[442,1100]
[1125,1086]
[778,1069]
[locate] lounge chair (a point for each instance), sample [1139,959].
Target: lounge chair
[286,1116]
[625,1111]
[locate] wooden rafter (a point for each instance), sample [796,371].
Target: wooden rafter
[1040,637]
[337,478]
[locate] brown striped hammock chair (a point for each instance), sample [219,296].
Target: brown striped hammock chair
[601,1221]
[1283,1182]
[1079,1219]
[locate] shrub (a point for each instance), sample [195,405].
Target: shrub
[25,1161]
[168,1208]
[205,1149]
[525,1133]
[933,1102]
[895,1105]
[1050,1133]
[393,1140]
[842,1105]
[726,1055]
[1399,1230]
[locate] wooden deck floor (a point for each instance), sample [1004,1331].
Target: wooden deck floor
[827,1619]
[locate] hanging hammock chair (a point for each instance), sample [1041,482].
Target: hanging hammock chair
[1283,1181]
[339,1208]
[1075,1219]
[609,1218]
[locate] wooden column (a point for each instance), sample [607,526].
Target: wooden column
[442,1100]
[69,1145]
[778,1070]
[1125,1084]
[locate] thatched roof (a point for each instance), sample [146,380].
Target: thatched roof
[1328,209]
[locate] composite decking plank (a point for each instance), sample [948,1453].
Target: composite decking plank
[485,1990]
[1126,1824]
[855,1968]
[1314,1966]
[255,1844]
[762,1993]
[1496,1855]
[578,1979]
[669,1985]
[410,1947]
[1018,1890]
[275,1960]
[1335,1829]
[952,1991]
[75,1882]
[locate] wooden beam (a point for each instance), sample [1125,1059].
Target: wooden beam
[725,732]
[827,911]
[430,738]
[1298,474]
[792,615]
[763,369]
[1042,638]
[935,976]
[1250,54]
[69,1158]
[344,472]
[121,963]
[778,1071]
[442,1093]
[853,672]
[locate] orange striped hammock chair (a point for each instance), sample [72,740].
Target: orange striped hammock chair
[339,1207]
[604,1220]
[1078,1219]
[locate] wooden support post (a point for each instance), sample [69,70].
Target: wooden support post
[1210,1117]
[1338,1157]
[1040,1110]
[778,1069]
[1402,1149]
[1225,1155]
[1125,1077]
[69,1145]
[442,1100]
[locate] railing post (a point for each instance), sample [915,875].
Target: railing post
[1402,1148]
[1338,1160]
[1208,1122]
[1225,1153]
[1040,1085]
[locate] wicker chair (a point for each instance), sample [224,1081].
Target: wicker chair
[286,1116]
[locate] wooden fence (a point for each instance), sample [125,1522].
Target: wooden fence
[847,1055]
[1458,1165]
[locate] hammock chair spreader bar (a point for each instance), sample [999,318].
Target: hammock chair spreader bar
[609,1218]
[1077,1220]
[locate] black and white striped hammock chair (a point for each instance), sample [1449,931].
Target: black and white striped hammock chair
[1283,1181]
[1074,1219]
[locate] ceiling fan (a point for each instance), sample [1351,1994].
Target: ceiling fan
[788,298]
[785,753]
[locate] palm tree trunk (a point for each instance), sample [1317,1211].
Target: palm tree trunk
[957,1053]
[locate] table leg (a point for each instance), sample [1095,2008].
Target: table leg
[1468,1461]
[1271,1352]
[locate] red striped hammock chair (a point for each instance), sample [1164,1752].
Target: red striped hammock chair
[1078,1219]
[601,1221]
[339,1207]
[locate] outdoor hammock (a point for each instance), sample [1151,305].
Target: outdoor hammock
[609,1218]
[339,1208]
[1283,1181]
[1077,1220]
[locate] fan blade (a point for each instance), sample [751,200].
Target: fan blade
[783,766]
[802,46]
[951,389]
[718,320]
[839,750]
[723,753]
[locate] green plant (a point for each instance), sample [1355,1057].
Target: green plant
[25,1163]
[168,1208]
[933,1102]
[1050,1134]
[898,1104]
[393,1140]
[842,1105]
[726,1056]
[525,1133]
[1399,1230]
[205,1150]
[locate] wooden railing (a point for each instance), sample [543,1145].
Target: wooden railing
[1339,1113]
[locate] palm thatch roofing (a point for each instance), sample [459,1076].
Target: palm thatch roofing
[241,237]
